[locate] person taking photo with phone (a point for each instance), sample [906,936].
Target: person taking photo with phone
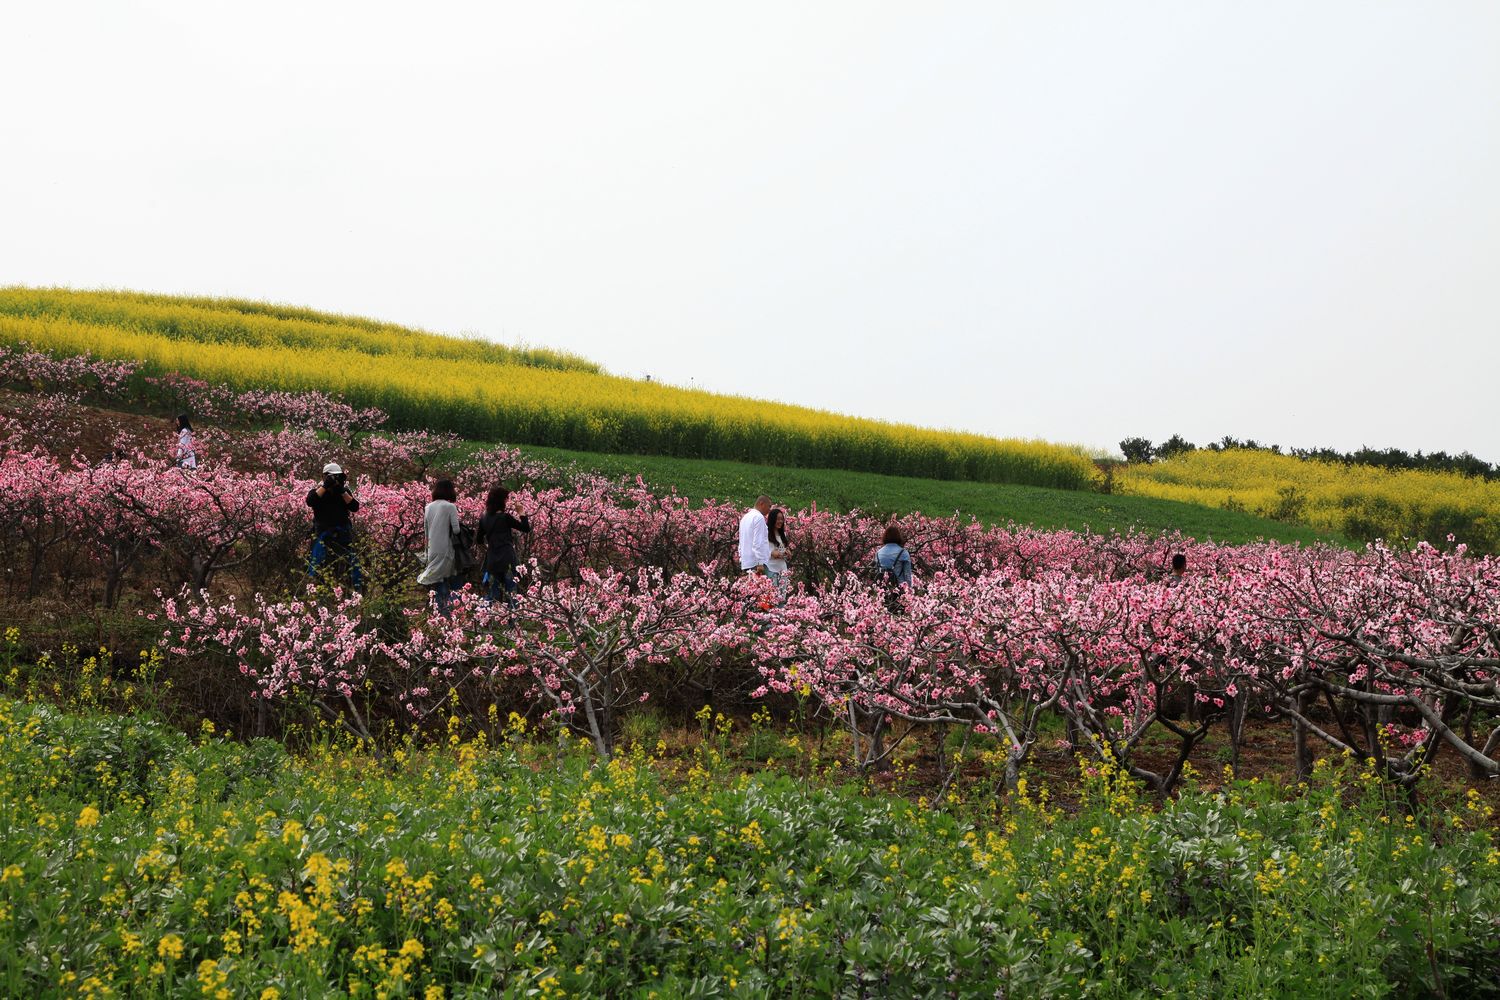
[497,527]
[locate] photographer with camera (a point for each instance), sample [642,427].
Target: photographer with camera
[333,533]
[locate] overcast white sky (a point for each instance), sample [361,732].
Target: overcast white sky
[1071,221]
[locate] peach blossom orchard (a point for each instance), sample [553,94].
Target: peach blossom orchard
[630,596]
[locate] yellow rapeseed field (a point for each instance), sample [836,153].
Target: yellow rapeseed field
[1360,501]
[489,391]
[243,322]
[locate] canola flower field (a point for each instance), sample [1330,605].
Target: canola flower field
[138,862]
[1360,502]
[245,322]
[486,392]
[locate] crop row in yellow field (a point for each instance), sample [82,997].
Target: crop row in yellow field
[1360,501]
[476,389]
[239,321]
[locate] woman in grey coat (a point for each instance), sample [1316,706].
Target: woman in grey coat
[441,521]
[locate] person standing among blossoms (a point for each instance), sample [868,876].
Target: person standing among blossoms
[498,527]
[1179,569]
[776,565]
[440,519]
[333,533]
[755,544]
[186,457]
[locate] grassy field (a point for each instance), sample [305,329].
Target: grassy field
[835,489]
[490,392]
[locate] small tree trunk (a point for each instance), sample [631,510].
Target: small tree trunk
[111,586]
[596,731]
[877,745]
[1476,769]
[1013,764]
[34,582]
[1300,737]
[1237,708]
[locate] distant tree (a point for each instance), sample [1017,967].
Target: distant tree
[1137,449]
[1175,445]
[1318,454]
[1470,465]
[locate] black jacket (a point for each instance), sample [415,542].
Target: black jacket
[496,529]
[330,510]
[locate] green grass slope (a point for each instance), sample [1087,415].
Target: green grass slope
[837,489]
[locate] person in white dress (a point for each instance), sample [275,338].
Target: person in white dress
[441,522]
[187,458]
[777,565]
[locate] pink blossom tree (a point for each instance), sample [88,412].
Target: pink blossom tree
[587,645]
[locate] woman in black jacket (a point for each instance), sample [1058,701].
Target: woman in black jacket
[497,526]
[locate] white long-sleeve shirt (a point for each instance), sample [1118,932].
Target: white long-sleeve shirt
[186,458]
[755,546]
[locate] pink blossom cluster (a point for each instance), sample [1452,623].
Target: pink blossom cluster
[24,368]
[1391,655]
[109,517]
[80,376]
[307,410]
[289,451]
[381,457]
[583,648]
[384,457]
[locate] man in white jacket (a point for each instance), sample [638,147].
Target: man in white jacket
[755,545]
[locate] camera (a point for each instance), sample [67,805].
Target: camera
[335,482]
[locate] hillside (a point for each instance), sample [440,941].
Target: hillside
[93,430]
[547,399]
[483,391]
[1361,502]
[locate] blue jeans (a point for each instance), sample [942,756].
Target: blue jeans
[443,591]
[502,581]
[335,543]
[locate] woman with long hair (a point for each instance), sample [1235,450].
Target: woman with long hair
[498,527]
[776,566]
[440,519]
[186,457]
